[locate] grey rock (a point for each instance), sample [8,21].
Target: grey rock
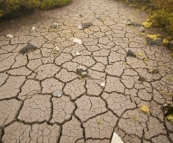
[129,23]
[167,108]
[141,78]
[54,25]
[28,48]
[153,70]
[99,19]
[57,93]
[84,25]
[157,42]
[142,29]
[130,54]
[82,71]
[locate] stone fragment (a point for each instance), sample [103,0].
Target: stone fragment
[130,23]
[102,84]
[142,29]
[82,71]
[99,19]
[130,54]
[28,48]
[9,36]
[84,25]
[116,138]
[75,40]
[33,28]
[56,50]
[154,39]
[77,53]
[57,93]
[54,25]
[153,70]
[141,78]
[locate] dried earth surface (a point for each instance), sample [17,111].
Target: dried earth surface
[90,109]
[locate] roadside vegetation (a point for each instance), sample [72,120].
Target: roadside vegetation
[160,15]
[13,8]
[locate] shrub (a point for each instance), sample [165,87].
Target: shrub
[12,8]
[47,4]
[160,13]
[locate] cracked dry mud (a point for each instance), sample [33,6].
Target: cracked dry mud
[88,111]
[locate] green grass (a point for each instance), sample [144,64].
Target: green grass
[13,8]
[160,12]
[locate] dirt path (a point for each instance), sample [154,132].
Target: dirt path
[90,109]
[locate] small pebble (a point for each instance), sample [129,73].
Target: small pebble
[54,25]
[130,54]
[57,48]
[75,40]
[33,28]
[102,84]
[77,53]
[57,93]
[9,36]
[153,71]
[129,22]
[80,27]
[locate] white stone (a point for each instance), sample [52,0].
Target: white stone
[116,139]
[102,84]
[80,27]
[10,36]
[33,28]
[129,22]
[77,53]
[75,40]
[57,48]
[57,93]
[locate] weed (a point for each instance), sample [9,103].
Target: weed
[144,109]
